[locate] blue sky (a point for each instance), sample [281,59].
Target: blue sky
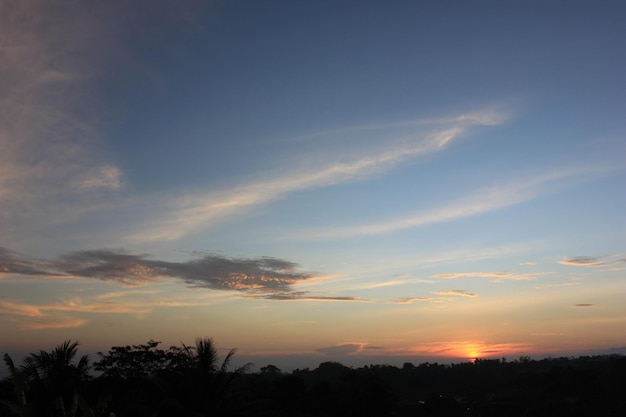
[312,180]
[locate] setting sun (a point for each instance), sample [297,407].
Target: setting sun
[472,351]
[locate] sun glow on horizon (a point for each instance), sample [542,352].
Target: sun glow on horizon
[472,349]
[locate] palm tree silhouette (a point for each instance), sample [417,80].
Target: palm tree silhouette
[48,383]
[207,380]
[206,357]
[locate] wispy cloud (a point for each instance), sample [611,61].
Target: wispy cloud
[55,315]
[12,308]
[480,201]
[345,349]
[308,296]
[488,116]
[395,283]
[411,300]
[494,276]
[63,313]
[106,176]
[52,166]
[55,323]
[458,293]
[44,144]
[55,166]
[75,305]
[559,285]
[78,305]
[261,275]
[194,211]
[583,305]
[593,261]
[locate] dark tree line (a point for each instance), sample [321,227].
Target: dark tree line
[145,380]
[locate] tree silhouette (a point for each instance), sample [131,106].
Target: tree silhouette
[49,383]
[145,381]
[145,378]
[206,383]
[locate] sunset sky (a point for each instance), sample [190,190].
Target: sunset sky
[305,181]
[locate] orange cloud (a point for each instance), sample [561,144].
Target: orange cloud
[459,293]
[411,300]
[19,309]
[55,323]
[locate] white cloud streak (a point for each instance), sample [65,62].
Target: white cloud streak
[494,276]
[481,201]
[193,212]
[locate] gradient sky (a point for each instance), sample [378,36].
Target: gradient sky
[359,181]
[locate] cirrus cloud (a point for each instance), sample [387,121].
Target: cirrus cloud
[458,293]
[411,300]
[495,276]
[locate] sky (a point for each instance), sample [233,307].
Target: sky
[352,181]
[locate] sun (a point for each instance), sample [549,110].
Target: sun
[471,350]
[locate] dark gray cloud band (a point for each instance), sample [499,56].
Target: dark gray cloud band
[591,261]
[273,276]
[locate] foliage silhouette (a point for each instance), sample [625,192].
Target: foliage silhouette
[144,380]
[49,383]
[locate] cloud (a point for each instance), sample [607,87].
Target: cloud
[343,349]
[204,210]
[480,201]
[75,305]
[397,282]
[591,261]
[55,323]
[106,176]
[263,275]
[61,314]
[78,305]
[495,276]
[11,308]
[489,116]
[14,263]
[562,284]
[56,60]
[582,305]
[52,164]
[411,300]
[45,145]
[37,317]
[459,293]
[469,349]
[304,296]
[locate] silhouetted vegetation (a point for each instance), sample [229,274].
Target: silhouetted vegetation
[144,380]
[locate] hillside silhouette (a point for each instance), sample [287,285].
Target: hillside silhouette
[148,381]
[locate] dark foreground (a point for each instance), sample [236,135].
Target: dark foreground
[144,380]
